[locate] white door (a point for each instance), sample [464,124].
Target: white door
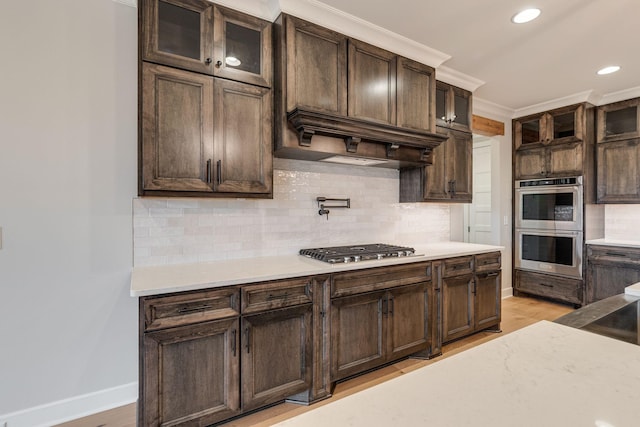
[478,213]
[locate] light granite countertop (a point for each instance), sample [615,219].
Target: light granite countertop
[163,279]
[546,374]
[614,242]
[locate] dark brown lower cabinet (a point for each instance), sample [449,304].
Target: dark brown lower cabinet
[370,329]
[549,286]
[457,307]
[610,269]
[471,295]
[276,355]
[191,374]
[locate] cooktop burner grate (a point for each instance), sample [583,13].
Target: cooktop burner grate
[355,253]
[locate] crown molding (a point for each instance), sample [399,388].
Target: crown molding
[456,78]
[352,26]
[576,98]
[485,108]
[622,95]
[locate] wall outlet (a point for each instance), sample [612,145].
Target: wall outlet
[505,220]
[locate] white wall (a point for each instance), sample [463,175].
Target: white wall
[67,177]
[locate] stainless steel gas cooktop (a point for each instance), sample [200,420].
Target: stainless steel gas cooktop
[355,253]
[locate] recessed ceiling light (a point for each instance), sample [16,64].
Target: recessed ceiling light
[525,16]
[609,70]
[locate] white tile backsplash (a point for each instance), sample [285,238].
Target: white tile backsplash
[174,231]
[622,222]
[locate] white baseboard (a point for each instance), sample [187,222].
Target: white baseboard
[507,292]
[73,408]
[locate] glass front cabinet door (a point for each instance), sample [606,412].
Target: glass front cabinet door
[619,120]
[178,33]
[199,36]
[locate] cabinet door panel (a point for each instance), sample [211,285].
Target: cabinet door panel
[416,95]
[276,355]
[242,48]
[372,83]
[565,160]
[488,297]
[356,334]
[530,163]
[619,171]
[459,165]
[316,67]
[178,33]
[408,320]
[458,307]
[177,131]
[190,374]
[436,187]
[242,138]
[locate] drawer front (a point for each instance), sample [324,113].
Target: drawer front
[457,266]
[373,279]
[188,308]
[614,254]
[488,262]
[562,288]
[278,294]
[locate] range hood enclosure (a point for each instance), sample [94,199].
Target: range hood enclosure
[314,121]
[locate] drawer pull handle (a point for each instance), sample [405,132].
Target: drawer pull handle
[546,285]
[195,309]
[247,338]
[235,344]
[272,297]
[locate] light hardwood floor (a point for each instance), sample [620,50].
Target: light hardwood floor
[517,312]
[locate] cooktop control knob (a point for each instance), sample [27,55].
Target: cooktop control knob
[380,256]
[356,258]
[347,259]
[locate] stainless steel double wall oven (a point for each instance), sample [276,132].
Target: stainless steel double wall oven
[549,225]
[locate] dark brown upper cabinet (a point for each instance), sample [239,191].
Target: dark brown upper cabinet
[555,143]
[315,65]
[242,47]
[416,89]
[563,125]
[353,99]
[448,179]
[199,36]
[204,136]
[372,83]
[177,130]
[178,33]
[453,107]
[619,120]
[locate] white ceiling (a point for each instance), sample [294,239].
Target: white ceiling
[553,57]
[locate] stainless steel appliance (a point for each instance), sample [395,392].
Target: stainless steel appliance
[549,225]
[356,253]
[549,251]
[554,204]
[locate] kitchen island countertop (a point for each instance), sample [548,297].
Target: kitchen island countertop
[163,279]
[543,375]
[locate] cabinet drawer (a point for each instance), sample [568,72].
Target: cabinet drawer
[373,279]
[273,295]
[488,262]
[457,266]
[562,288]
[188,308]
[613,254]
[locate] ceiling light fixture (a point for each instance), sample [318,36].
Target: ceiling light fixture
[608,70]
[525,16]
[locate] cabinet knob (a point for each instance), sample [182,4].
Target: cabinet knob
[218,64]
[208,61]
